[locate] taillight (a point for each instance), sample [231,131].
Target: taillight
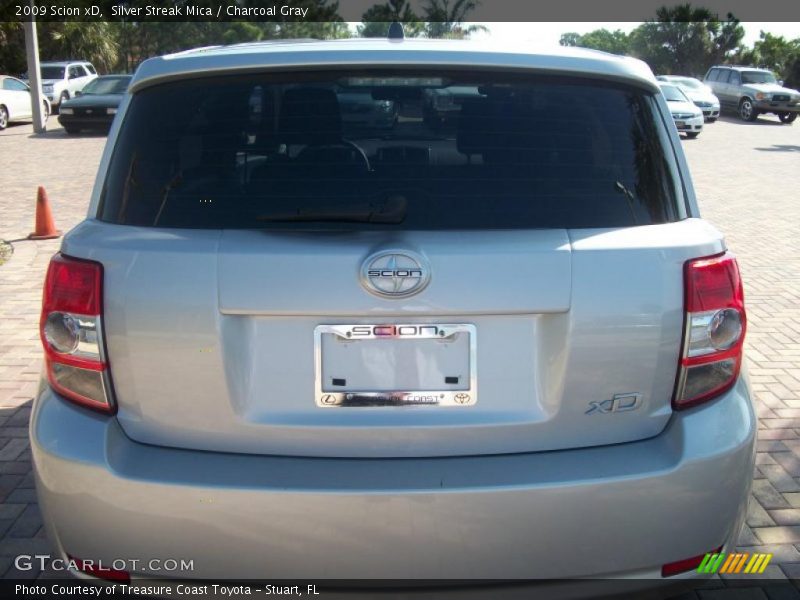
[71,331]
[714,330]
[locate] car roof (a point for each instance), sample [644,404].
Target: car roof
[249,57]
[63,63]
[740,68]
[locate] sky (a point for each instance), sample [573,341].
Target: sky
[548,34]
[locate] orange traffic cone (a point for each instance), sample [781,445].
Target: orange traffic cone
[45,227]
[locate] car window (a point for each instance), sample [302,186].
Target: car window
[758,77]
[735,78]
[106,85]
[390,150]
[76,71]
[14,85]
[52,72]
[715,75]
[90,68]
[673,93]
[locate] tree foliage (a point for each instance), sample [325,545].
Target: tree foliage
[446,18]
[616,42]
[12,48]
[440,19]
[776,53]
[685,39]
[688,40]
[72,40]
[376,20]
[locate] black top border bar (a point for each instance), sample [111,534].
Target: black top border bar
[353,10]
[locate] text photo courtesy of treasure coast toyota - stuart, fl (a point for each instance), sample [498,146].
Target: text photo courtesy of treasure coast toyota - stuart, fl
[402,299]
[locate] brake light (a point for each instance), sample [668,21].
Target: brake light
[714,330]
[72,334]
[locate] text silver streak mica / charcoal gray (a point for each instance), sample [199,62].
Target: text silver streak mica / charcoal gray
[290,343]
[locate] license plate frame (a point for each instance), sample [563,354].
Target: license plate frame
[464,396]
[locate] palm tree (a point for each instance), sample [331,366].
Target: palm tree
[445,18]
[92,41]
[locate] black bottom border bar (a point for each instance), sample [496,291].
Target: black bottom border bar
[677,589]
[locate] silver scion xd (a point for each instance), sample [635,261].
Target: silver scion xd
[289,344]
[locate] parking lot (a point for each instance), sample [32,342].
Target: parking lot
[748,181]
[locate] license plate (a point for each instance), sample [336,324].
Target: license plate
[395,364]
[680,124]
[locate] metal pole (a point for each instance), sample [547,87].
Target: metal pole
[37,99]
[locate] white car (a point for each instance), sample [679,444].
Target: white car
[15,101]
[61,80]
[698,92]
[688,118]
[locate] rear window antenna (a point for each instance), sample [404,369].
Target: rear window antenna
[396,31]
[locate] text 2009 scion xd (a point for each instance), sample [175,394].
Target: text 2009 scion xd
[380,309]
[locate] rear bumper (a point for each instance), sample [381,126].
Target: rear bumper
[612,511]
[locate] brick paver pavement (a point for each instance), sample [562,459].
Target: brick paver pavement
[748,179]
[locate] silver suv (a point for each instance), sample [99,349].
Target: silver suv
[284,344]
[751,92]
[62,80]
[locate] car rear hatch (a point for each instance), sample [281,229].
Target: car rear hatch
[277,283]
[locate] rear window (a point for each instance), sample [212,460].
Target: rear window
[52,72]
[391,150]
[758,77]
[106,85]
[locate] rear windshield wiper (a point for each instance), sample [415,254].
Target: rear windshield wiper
[392,210]
[620,187]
